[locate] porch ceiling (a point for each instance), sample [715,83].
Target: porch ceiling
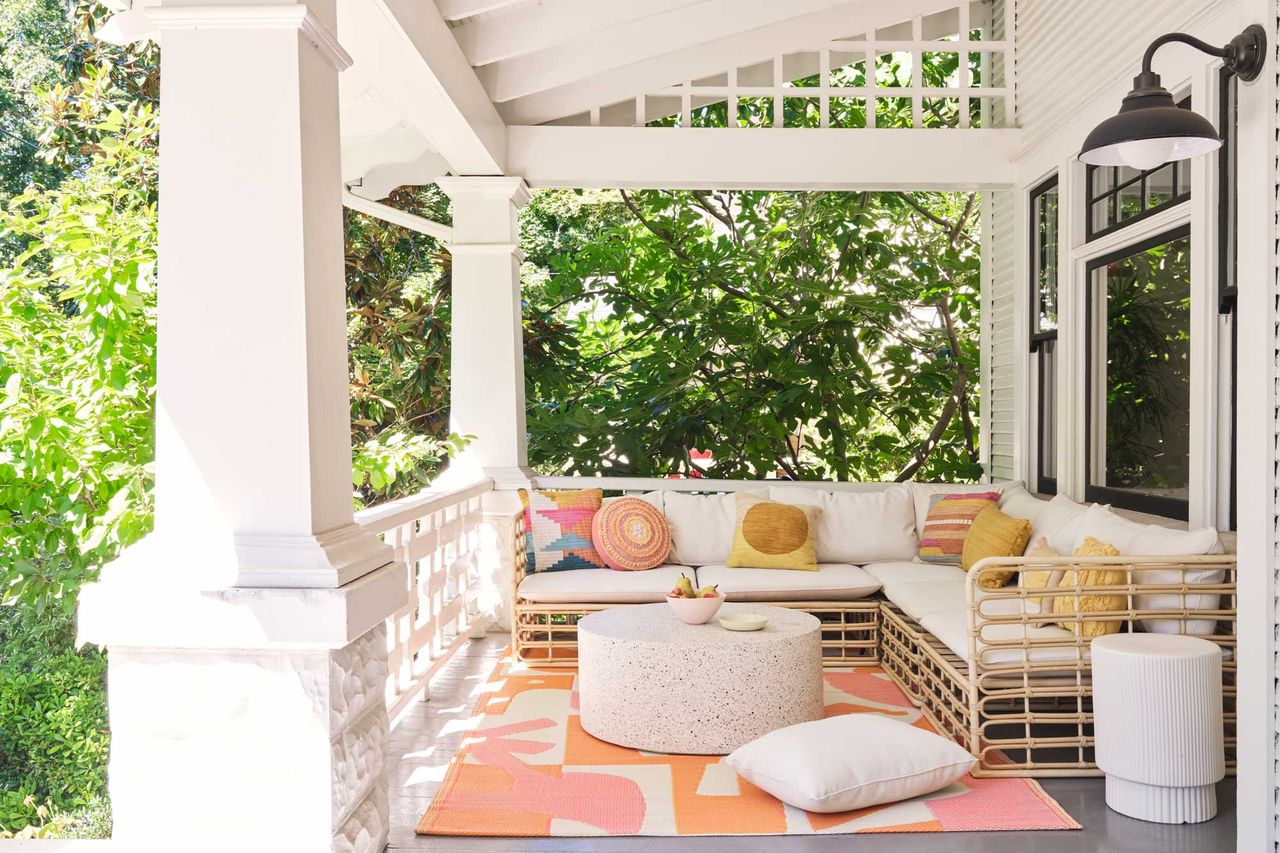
[455,87]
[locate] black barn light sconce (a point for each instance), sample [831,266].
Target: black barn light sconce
[1150,129]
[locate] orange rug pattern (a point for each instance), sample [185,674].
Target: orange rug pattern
[526,768]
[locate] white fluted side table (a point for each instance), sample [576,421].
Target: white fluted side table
[1157,706]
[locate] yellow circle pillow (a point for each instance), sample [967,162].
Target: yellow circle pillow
[771,535]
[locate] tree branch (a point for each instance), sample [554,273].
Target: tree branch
[675,249]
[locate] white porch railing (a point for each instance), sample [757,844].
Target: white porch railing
[437,535]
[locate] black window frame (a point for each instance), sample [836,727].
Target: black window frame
[1174,508]
[1113,193]
[1044,342]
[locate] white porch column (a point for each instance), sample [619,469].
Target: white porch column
[247,649]
[487,362]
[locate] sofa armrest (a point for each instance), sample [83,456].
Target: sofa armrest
[1025,626]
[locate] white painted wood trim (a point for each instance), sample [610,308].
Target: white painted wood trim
[774,158]
[387,213]
[1256,447]
[253,17]
[464,125]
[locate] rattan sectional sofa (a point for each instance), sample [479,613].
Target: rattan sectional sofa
[997,670]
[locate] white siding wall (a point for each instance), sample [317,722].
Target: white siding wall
[1000,350]
[1064,51]
[1074,61]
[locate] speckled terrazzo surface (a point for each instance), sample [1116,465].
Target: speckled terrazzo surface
[648,681]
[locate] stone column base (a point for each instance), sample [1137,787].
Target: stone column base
[246,720]
[251,750]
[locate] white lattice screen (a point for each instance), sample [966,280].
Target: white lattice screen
[953,68]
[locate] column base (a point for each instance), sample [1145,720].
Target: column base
[251,719]
[1162,804]
[250,749]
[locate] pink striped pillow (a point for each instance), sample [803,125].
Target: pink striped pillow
[948,522]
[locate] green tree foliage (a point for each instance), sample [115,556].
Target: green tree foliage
[77,364]
[813,335]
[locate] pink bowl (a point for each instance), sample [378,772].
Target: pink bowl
[696,611]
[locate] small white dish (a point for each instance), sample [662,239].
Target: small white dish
[743,621]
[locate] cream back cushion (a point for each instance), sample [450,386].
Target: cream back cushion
[1133,538]
[858,527]
[1059,523]
[702,526]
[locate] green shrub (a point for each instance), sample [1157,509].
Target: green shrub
[53,719]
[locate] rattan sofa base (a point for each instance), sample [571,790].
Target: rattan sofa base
[546,635]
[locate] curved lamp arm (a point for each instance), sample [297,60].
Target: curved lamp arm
[1244,55]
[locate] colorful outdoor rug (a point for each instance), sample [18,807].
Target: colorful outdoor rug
[526,768]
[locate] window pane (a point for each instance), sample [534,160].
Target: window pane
[1102,213]
[1160,186]
[1131,201]
[1045,255]
[1100,179]
[1047,414]
[1120,194]
[1141,393]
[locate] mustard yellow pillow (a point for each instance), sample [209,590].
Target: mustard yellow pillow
[771,535]
[994,534]
[1072,604]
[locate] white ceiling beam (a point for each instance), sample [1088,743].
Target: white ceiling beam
[637,41]
[695,57]
[764,158]
[464,126]
[456,10]
[532,28]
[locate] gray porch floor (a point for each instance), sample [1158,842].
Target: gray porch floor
[429,733]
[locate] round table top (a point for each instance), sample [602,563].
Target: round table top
[1156,645]
[656,623]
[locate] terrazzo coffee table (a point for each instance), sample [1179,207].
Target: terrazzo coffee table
[649,681]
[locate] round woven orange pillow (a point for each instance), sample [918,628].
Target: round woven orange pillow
[631,535]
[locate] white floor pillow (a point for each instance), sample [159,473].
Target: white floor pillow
[850,762]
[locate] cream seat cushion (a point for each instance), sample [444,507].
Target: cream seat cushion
[905,571]
[831,582]
[602,586]
[951,627]
[919,600]
[858,527]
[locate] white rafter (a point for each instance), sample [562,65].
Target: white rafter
[465,128]
[620,46]
[712,37]
[456,10]
[528,29]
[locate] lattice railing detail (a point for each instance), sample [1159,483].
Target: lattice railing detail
[437,536]
[953,68]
